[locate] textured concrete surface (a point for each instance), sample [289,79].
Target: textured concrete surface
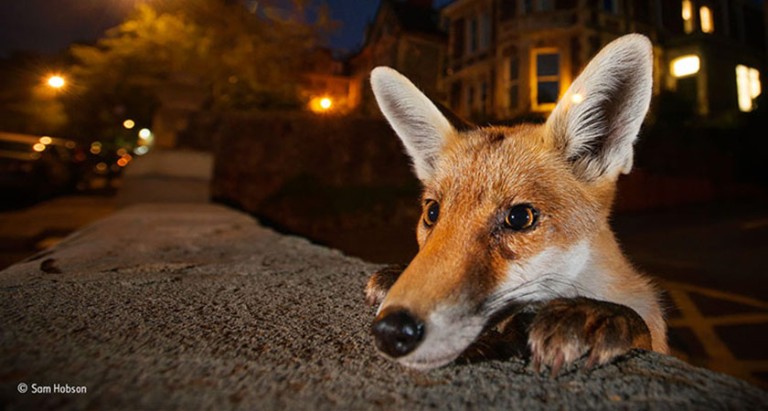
[196,306]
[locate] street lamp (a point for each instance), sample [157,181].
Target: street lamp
[56,81]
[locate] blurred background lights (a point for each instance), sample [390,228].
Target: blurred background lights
[145,134]
[321,104]
[129,124]
[45,140]
[685,65]
[39,147]
[141,150]
[56,81]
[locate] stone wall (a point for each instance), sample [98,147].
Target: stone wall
[346,182]
[174,306]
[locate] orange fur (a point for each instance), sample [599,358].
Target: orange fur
[469,265]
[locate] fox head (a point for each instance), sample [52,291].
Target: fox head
[510,214]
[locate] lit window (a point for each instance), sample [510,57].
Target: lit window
[688,16]
[707,23]
[685,65]
[547,79]
[748,87]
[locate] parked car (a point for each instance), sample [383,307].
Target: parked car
[34,167]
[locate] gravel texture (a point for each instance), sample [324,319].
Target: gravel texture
[179,306]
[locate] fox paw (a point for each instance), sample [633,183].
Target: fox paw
[380,282]
[566,329]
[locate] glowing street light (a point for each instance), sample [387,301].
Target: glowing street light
[56,81]
[321,104]
[129,124]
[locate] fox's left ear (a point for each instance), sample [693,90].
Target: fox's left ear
[418,122]
[597,121]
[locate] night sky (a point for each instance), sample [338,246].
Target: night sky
[49,26]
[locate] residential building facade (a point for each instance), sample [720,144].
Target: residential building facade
[509,58]
[406,36]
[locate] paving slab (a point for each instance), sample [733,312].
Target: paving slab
[182,306]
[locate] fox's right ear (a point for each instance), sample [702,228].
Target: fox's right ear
[416,120]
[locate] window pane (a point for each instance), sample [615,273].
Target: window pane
[513,97]
[547,64]
[527,6]
[472,44]
[485,31]
[548,92]
[514,68]
[483,96]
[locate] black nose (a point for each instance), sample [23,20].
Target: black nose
[397,333]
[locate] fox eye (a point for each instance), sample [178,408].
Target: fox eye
[432,212]
[521,217]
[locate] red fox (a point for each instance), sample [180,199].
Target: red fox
[519,215]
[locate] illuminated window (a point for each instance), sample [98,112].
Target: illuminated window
[748,87]
[546,70]
[685,65]
[688,16]
[707,23]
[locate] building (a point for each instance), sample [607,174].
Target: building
[404,35]
[508,58]
[325,86]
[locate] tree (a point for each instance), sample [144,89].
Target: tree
[27,103]
[238,56]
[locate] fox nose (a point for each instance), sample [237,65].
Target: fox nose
[396,333]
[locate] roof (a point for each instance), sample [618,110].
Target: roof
[414,17]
